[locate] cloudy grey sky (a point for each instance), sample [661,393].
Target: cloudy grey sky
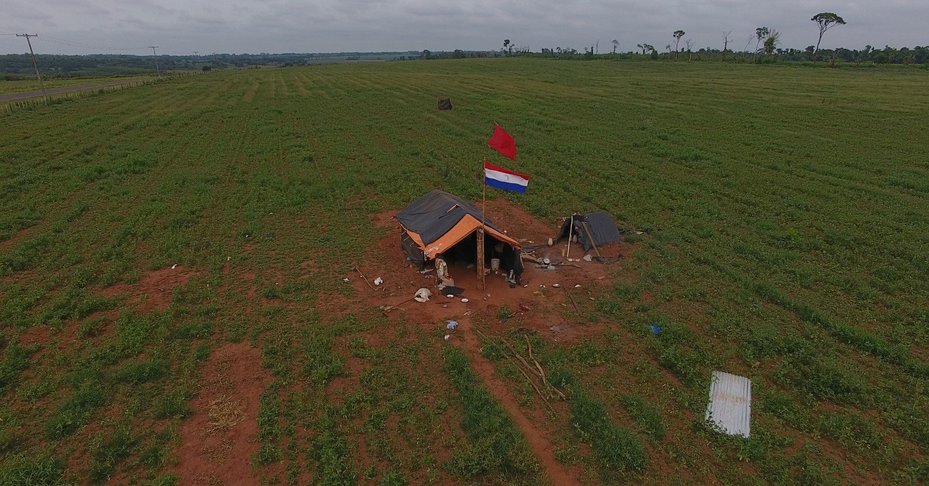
[239,26]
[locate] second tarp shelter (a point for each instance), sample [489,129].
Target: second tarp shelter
[442,223]
[602,229]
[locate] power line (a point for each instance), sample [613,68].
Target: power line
[97,48]
[35,64]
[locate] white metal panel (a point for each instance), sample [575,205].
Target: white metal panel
[730,406]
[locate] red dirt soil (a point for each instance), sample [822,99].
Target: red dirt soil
[153,291]
[550,302]
[220,438]
[538,304]
[19,236]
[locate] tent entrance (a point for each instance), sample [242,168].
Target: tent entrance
[463,255]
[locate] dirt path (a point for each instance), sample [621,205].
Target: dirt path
[221,436]
[538,440]
[57,91]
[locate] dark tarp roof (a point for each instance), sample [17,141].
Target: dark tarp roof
[602,229]
[435,213]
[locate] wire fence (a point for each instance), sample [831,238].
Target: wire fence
[57,98]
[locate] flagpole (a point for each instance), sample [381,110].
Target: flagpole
[480,249]
[483,196]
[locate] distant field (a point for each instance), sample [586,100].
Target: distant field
[27,85]
[788,210]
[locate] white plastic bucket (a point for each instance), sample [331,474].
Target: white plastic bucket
[495,264]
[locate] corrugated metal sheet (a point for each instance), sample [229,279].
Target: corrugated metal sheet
[730,406]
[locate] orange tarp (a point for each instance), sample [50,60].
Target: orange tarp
[460,231]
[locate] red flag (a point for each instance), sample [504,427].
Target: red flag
[502,142]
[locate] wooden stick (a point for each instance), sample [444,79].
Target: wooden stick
[591,236]
[392,307]
[571,299]
[513,351]
[365,278]
[530,258]
[536,387]
[570,231]
[541,371]
[537,365]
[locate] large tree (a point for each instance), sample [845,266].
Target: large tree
[825,21]
[677,38]
[761,33]
[770,44]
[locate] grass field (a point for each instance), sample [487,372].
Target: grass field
[790,209]
[30,84]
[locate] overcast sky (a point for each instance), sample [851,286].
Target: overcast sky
[239,26]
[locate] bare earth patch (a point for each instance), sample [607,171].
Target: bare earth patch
[220,438]
[549,302]
[19,236]
[154,291]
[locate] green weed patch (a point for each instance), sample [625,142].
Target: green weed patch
[496,446]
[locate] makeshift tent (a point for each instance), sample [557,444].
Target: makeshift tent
[599,226]
[442,223]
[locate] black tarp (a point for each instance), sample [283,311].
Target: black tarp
[413,253]
[601,225]
[432,215]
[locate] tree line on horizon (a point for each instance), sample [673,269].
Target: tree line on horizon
[766,50]
[766,41]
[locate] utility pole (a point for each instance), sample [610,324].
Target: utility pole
[157,71]
[35,64]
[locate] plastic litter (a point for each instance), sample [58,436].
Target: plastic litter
[452,325]
[577,286]
[556,285]
[345,279]
[173,266]
[655,328]
[588,258]
[422,295]
[464,300]
[450,296]
[378,281]
[447,336]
